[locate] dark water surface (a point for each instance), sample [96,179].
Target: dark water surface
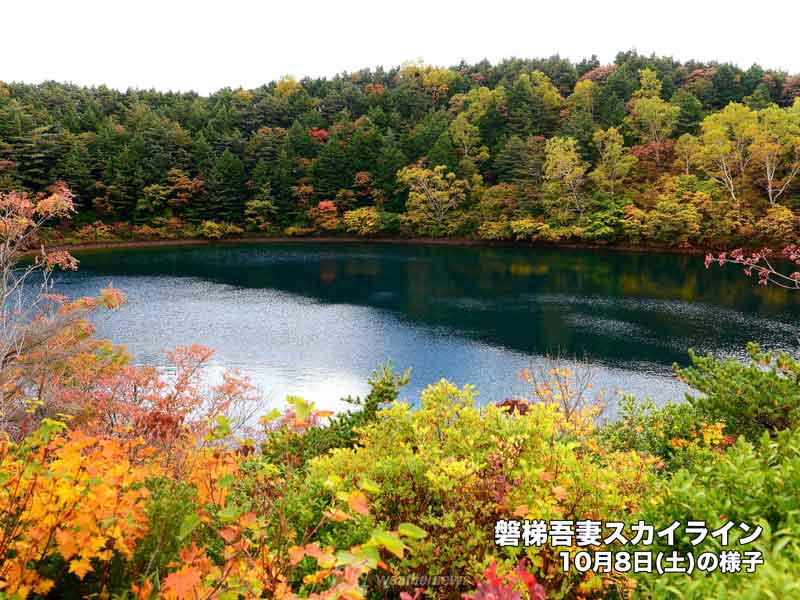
[316,319]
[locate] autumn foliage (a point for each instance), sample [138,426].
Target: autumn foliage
[124,480]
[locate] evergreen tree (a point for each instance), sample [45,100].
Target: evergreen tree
[227,188]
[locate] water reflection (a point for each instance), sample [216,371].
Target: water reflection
[297,315]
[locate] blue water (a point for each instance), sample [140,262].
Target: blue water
[316,319]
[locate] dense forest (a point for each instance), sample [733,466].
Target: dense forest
[647,150]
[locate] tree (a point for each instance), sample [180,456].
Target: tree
[564,172]
[227,187]
[39,332]
[466,138]
[690,112]
[687,149]
[775,148]
[364,221]
[533,105]
[521,161]
[615,161]
[651,119]
[433,196]
[727,137]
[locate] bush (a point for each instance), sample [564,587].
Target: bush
[749,398]
[298,231]
[755,483]
[365,221]
[495,230]
[675,433]
[454,469]
[213,230]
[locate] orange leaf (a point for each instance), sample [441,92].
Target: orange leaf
[80,567]
[559,492]
[521,510]
[182,584]
[358,502]
[67,545]
[337,515]
[296,554]
[229,534]
[545,476]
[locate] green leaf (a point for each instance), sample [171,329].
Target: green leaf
[302,408]
[369,486]
[190,523]
[270,416]
[412,531]
[226,481]
[389,541]
[229,514]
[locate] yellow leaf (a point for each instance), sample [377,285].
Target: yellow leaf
[80,567]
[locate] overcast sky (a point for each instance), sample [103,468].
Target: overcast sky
[203,46]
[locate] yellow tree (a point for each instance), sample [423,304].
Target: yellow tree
[564,172]
[433,195]
[775,148]
[727,136]
[687,148]
[615,161]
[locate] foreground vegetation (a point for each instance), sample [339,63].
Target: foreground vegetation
[646,151]
[127,481]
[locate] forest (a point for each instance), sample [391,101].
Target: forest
[644,151]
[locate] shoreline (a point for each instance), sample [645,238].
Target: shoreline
[133,244]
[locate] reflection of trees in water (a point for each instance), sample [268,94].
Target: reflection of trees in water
[613,306]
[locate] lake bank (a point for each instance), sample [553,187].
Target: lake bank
[143,243]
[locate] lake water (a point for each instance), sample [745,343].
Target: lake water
[316,319]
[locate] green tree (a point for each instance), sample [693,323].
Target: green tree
[614,162]
[227,189]
[565,173]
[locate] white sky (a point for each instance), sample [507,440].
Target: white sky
[199,45]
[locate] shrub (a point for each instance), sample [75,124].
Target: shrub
[454,469]
[298,231]
[755,483]
[213,230]
[495,230]
[675,433]
[749,398]
[525,228]
[365,221]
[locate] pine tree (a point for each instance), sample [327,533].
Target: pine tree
[227,188]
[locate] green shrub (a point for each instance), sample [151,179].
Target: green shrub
[754,483]
[674,433]
[750,398]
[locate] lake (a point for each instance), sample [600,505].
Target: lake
[315,319]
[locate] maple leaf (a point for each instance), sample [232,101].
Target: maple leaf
[229,534]
[183,583]
[521,510]
[67,545]
[80,567]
